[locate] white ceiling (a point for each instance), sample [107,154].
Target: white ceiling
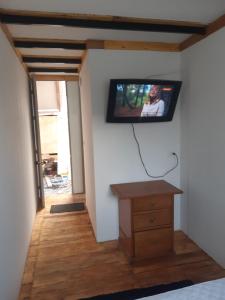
[62,32]
[203,11]
[188,10]
[55,65]
[51,52]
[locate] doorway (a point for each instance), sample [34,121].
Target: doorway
[54,138]
[59,158]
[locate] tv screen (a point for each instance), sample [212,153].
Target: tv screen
[141,100]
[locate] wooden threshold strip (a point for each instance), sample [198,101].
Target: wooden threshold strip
[49,43]
[45,77]
[52,70]
[51,59]
[100,22]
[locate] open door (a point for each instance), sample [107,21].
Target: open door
[76,140]
[36,145]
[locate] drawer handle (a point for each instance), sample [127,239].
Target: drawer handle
[152,204]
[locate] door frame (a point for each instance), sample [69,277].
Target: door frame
[36,144]
[81,135]
[65,78]
[36,141]
[68,126]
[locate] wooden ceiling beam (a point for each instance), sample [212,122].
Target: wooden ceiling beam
[45,77]
[136,45]
[97,44]
[132,45]
[211,28]
[49,43]
[51,59]
[100,22]
[52,70]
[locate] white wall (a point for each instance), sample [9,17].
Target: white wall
[17,196]
[203,138]
[116,157]
[75,128]
[49,134]
[48,98]
[87,129]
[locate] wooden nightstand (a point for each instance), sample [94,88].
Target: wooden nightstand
[146,218]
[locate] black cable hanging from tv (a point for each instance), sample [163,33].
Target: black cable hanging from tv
[142,161]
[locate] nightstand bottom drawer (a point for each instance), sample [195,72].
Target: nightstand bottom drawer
[153,243]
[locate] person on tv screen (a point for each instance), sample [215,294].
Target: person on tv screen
[154,107]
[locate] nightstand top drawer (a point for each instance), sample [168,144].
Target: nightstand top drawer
[152,219]
[151,203]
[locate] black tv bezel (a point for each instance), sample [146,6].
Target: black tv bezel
[110,118]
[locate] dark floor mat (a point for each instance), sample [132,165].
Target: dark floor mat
[61,208]
[144,292]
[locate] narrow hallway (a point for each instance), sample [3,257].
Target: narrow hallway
[65,262]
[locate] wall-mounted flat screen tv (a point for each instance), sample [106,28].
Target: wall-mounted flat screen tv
[141,100]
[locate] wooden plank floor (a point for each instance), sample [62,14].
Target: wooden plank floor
[65,262]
